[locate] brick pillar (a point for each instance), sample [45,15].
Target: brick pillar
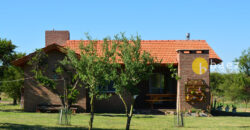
[191,67]
[56,37]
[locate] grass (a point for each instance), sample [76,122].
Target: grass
[12,117]
[5,98]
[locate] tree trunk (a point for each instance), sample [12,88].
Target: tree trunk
[246,105]
[215,104]
[128,122]
[124,103]
[14,101]
[129,117]
[92,113]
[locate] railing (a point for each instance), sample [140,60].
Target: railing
[160,98]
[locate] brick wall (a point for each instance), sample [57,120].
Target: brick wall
[112,104]
[186,72]
[35,94]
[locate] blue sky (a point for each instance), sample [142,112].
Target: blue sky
[224,24]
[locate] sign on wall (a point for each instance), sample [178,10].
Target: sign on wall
[195,90]
[200,66]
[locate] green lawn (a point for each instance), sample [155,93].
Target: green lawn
[4,97]
[12,117]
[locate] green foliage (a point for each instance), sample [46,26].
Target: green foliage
[93,69]
[233,86]
[137,64]
[39,63]
[237,87]
[174,71]
[73,95]
[12,82]
[216,79]
[45,81]
[6,52]
[8,72]
[244,62]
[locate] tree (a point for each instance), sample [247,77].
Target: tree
[244,62]
[8,73]
[242,80]
[94,69]
[217,89]
[64,72]
[216,79]
[12,83]
[236,87]
[6,52]
[137,65]
[179,114]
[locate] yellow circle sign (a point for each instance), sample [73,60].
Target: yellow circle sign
[200,66]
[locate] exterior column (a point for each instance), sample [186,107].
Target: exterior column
[193,67]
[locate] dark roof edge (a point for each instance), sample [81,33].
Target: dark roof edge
[23,60]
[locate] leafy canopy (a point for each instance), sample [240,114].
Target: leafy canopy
[6,51]
[12,82]
[137,65]
[244,62]
[94,68]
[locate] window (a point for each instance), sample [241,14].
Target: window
[55,75]
[156,83]
[108,88]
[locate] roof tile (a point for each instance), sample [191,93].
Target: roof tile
[164,50]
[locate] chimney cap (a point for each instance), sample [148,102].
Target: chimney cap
[188,36]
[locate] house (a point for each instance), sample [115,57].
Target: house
[191,58]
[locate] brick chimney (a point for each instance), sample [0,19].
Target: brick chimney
[56,37]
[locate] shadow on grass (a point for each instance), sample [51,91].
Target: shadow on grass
[144,116]
[8,108]
[12,110]
[10,126]
[228,127]
[223,113]
[244,127]
[111,115]
[134,116]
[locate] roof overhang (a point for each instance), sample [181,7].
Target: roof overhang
[212,61]
[22,61]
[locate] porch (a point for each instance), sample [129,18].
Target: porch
[159,92]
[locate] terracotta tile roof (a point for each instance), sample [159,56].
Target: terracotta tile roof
[165,50]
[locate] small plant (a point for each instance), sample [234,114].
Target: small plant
[219,107]
[234,108]
[227,108]
[193,110]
